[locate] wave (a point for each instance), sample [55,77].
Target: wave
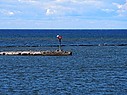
[63,45]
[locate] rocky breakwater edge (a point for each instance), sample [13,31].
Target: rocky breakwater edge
[37,53]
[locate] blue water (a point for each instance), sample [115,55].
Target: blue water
[98,65]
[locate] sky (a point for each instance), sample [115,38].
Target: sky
[63,14]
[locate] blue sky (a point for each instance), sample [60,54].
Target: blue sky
[63,14]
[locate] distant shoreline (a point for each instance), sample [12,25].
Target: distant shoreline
[65,29]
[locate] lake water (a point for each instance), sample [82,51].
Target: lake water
[98,65]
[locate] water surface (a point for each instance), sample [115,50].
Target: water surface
[91,70]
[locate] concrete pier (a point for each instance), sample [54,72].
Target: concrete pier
[37,53]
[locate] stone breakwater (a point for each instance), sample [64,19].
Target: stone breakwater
[35,53]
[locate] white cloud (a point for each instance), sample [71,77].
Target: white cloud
[10,13]
[7,12]
[55,7]
[74,11]
[72,7]
[27,1]
[108,10]
[50,12]
[122,8]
